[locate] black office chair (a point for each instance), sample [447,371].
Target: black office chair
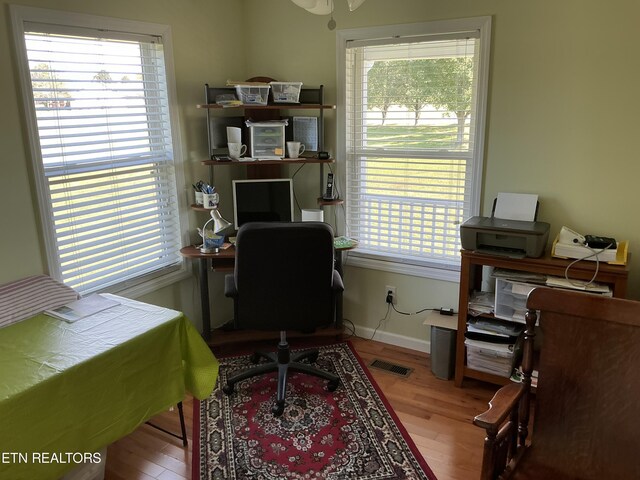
[284,279]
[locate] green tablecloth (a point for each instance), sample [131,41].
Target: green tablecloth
[67,388]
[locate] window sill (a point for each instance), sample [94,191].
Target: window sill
[394,265]
[134,289]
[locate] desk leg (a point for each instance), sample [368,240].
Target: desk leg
[338,256]
[204,298]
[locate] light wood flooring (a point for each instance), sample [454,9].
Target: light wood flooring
[437,415]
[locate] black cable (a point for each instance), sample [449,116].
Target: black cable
[423,310]
[295,197]
[396,310]
[352,327]
[381,321]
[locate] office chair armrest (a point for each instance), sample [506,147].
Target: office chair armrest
[337,285]
[230,289]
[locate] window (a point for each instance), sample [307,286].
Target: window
[412,133]
[97,103]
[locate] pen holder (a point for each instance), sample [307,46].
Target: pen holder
[199,199]
[210,200]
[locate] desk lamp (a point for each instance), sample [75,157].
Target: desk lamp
[219,224]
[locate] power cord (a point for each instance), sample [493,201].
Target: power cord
[351,327]
[382,320]
[295,197]
[594,253]
[443,311]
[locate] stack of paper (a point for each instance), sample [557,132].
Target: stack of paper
[481,303]
[574,284]
[494,358]
[492,345]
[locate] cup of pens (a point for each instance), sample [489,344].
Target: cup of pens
[210,200]
[197,190]
[210,197]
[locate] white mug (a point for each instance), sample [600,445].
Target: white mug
[295,149]
[236,150]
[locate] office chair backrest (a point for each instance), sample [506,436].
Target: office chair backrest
[586,420]
[284,275]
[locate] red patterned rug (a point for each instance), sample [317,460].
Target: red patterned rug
[351,433]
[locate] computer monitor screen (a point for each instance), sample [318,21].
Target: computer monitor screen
[263,200]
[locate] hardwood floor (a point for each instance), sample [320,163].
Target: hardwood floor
[437,415]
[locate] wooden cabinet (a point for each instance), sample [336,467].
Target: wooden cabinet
[471,278]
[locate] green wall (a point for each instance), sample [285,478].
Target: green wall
[562,119]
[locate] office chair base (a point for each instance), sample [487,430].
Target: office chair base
[282,363]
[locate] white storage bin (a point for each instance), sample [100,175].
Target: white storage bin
[511,299]
[253,94]
[267,140]
[285,92]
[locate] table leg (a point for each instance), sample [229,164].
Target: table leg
[204,298]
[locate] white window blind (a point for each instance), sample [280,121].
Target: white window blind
[411,131]
[106,153]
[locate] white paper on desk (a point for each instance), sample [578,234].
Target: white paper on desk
[86,306]
[516,206]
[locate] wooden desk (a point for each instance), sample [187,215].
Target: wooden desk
[224,261]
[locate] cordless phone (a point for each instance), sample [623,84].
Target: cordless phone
[328,194]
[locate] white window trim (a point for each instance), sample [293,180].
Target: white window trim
[21,14]
[483,24]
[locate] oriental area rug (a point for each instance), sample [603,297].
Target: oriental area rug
[351,433]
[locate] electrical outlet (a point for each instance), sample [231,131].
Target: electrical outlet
[392,289]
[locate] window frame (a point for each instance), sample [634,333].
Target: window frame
[20,15]
[390,263]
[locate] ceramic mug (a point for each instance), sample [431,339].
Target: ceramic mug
[295,149]
[236,150]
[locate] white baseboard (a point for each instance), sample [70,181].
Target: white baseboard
[394,339]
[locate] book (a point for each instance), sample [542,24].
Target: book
[74,311]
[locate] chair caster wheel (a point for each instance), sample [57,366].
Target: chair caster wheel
[277,409]
[228,389]
[254,358]
[332,385]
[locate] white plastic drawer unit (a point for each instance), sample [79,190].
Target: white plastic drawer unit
[267,141]
[511,299]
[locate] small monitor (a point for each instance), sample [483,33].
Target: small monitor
[263,200]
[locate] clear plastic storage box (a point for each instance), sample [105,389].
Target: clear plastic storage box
[267,139]
[511,299]
[253,94]
[286,92]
